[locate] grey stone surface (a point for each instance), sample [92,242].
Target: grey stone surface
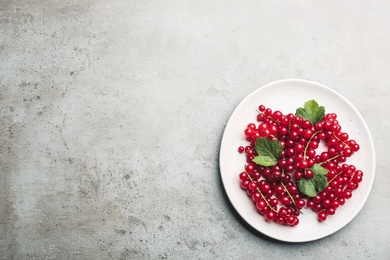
[111,115]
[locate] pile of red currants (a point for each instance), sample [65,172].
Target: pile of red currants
[298,160]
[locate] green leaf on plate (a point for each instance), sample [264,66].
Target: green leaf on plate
[311,111]
[311,187]
[268,151]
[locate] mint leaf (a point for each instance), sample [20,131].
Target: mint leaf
[311,187]
[311,111]
[268,151]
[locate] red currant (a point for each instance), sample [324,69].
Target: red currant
[322,216]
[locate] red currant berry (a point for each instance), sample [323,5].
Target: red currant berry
[317,199]
[296,222]
[347,194]
[343,136]
[326,203]
[264,187]
[347,152]
[298,175]
[357,178]
[298,120]
[294,135]
[248,132]
[277,115]
[283,130]
[303,164]
[290,220]
[245,184]
[256,175]
[335,204]
[261,205]
[314,144]
[310,203]
[330,211]
[355,147]
[249,152]
[327,125]
[270,215]
[318,126]
[243,176]
[322,216]
[331,196]
[306,124]
[249,159]
[321,135]
[251,125]
[285,200]
[268,111]
[273,130]
[261,108]
[310,153]
[279,190]
[252,185]
[317,208]
[308,174]
[273,202]
[279,219]
[250,167]
[300,203]
[256,196]
[299,148]
[282,212]
[293,190]
[338,191]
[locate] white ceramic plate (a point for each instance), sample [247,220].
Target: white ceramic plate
[287,96]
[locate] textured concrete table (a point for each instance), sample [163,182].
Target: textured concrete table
[112,112]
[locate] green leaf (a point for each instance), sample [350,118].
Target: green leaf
[268,151]
[318,169]
[311,187]
[306,186]
[311,111]
[265,160]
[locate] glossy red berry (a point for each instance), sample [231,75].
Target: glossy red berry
[322,216]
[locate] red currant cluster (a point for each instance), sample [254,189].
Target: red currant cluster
[274,189]
[342,181]
[269,194]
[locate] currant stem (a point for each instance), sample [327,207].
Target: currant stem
[270,117]
[330,159]
[308,143]
[335,136]
[289,194]
[337,175]
[350,179]
[262,196]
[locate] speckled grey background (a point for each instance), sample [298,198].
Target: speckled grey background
[111,115]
